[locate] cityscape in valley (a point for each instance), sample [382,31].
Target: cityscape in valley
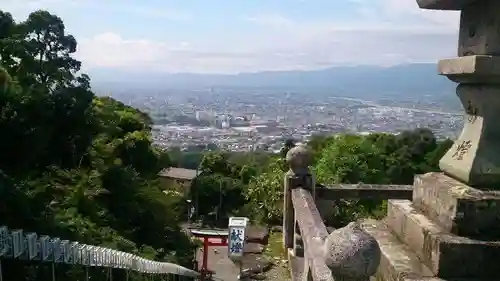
[247,120]
[249,112]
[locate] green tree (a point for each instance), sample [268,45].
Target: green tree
[9,40]
[215,162]
[265,193]
[247,173]
[351,159]
[317,144]
[218,195]
[375,159]
[47,59]
[74,165]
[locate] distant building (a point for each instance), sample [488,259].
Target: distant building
[203,115]
[239,122]
[177,179]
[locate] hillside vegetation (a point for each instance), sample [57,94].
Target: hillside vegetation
[73,165]
[252,183]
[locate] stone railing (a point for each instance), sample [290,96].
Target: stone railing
[449,230]
[348,253]
[28,247]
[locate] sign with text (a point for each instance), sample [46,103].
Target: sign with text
[236,237]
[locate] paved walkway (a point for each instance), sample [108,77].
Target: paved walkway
[220,263]
[224,268]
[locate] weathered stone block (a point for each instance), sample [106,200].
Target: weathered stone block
[439,250]
[444,4]
[255,263]
[397,260]
[479,28]
[471,69]
[457,207]
[257,234]
[475,155]
[253,248]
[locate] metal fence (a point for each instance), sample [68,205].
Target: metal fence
[15,244]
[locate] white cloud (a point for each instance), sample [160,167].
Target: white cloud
[388,32]
[328,48]
[110,50]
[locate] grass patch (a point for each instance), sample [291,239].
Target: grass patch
[276,252]
[275,247]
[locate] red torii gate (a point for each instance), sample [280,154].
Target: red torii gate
[210,238]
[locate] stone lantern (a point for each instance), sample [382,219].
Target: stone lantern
[474,159]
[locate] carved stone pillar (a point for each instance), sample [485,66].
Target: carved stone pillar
[299,159]
[474,158]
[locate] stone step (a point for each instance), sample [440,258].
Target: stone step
[398,261]
[458,208]
[446,254]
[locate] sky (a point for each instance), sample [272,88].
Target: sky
[231,36]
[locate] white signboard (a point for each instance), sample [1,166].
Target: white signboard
[236,237]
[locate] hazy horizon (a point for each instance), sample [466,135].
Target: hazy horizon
[243,72]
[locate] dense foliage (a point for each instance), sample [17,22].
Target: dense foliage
[254,187]
[219,191]
[374,159]
[74,165]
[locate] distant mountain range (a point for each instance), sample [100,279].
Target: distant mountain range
[408,79]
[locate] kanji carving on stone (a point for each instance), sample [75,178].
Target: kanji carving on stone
[461,150]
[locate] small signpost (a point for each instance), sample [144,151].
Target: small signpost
[236,239]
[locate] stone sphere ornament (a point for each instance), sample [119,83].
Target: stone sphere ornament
[299,159]
[351,253]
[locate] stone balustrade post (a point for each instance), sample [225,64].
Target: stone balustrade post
[299,175]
